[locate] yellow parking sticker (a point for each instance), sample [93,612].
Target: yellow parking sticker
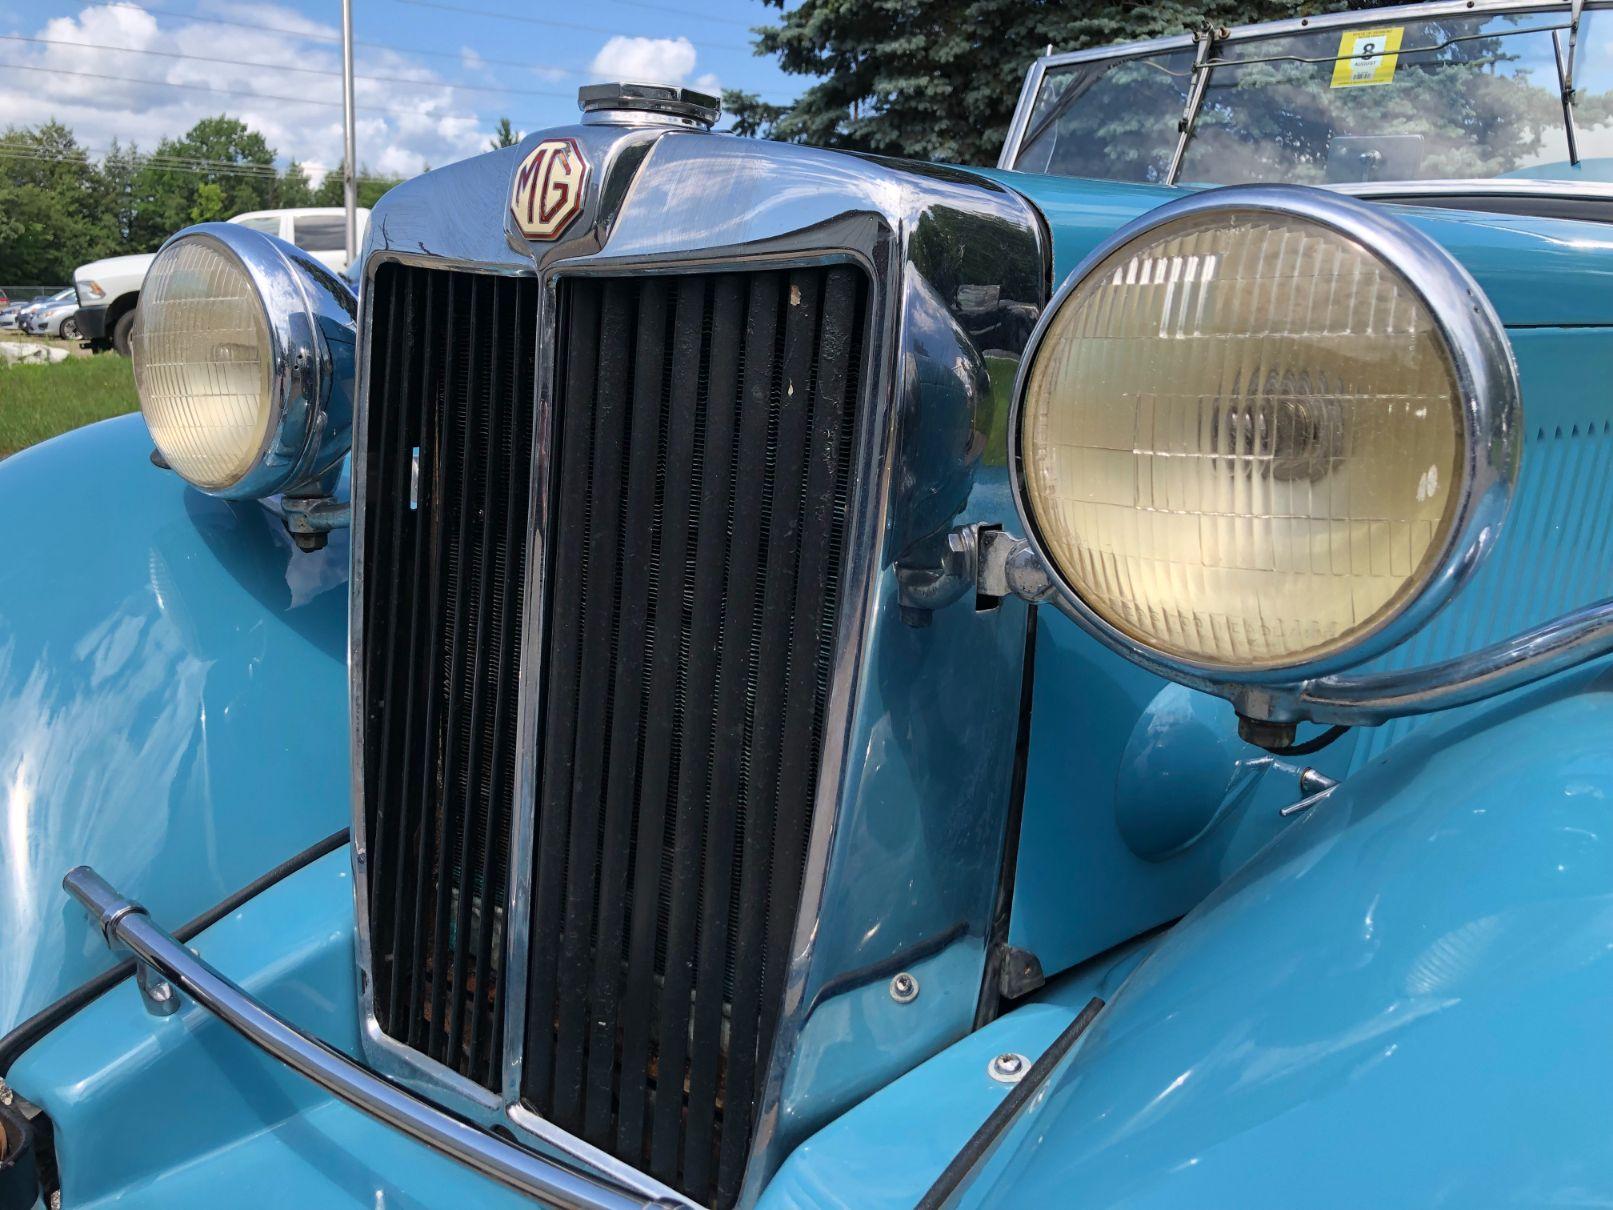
[1367,56]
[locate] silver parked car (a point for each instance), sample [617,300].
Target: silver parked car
[52,316]
[11,315]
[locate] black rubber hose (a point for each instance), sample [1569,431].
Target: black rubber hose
[1315,744]
[982,1140]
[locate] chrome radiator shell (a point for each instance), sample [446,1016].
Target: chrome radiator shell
[668,201]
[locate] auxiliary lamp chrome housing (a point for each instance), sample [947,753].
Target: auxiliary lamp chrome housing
[244,352]
[1261,435]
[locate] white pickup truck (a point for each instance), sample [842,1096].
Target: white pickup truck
[109,290]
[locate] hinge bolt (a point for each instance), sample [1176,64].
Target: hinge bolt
[904,988]
[1009,1068]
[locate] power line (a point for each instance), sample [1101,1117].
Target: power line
[235,92]
[26,151]
[549,21]
[522,17]
[685,12]
[317,71]
[157,159]
[317,37]
[458,57]
[263,172]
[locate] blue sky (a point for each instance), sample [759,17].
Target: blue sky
[440,74]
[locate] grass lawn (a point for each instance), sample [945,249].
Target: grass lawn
[40,401]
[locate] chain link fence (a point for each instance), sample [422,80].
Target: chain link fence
[24,293]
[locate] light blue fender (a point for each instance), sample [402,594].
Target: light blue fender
[173,704]
[1538,272]
[178,1113]
[1401,1001]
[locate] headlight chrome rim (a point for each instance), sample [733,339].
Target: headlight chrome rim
[1490,411]
[310,317]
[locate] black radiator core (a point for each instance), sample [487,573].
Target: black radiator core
[452,362]
[700,487]
[699,473]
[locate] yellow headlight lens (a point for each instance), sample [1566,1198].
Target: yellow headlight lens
[201,363]
[1242,440]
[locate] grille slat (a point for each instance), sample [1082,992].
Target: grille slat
[432,456]
[600,605]
[473,829]
[391,435]
[824,498]
[699,484]
[465,688]
[562,663]
[404,991]
[674,455]
[440,683]
[741,443]
[765,702]
[453,463]
[628,707]
[714,423]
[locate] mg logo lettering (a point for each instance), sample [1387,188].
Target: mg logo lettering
[548,188]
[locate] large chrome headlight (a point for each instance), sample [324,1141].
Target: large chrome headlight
[1264,433]
[243,355]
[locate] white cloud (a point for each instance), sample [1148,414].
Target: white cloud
[403,124]
[709,83]
[470,60]
[645,60]
[271,14]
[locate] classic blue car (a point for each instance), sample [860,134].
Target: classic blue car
[740,674]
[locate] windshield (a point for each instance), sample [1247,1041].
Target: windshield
[1459,97]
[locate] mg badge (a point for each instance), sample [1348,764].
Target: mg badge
[548,188]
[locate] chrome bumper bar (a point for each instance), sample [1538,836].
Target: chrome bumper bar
[167,968]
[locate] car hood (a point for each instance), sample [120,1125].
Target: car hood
[1537,272]
[114,265]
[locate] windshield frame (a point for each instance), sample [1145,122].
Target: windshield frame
[1209,48]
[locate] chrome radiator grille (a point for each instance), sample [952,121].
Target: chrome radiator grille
[701,479]
[447,466]
[699,470]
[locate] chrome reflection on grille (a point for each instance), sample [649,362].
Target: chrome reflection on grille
[452,364]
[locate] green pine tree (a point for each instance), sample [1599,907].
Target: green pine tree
[293,188]
[505,136]
[370,188]
[938,79]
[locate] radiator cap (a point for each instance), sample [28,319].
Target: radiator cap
[684,105]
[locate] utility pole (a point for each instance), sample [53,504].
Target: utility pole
[349,168]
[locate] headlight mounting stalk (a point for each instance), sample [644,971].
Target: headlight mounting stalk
[993,564]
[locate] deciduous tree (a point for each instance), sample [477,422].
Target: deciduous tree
[221,167]
[54,211]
